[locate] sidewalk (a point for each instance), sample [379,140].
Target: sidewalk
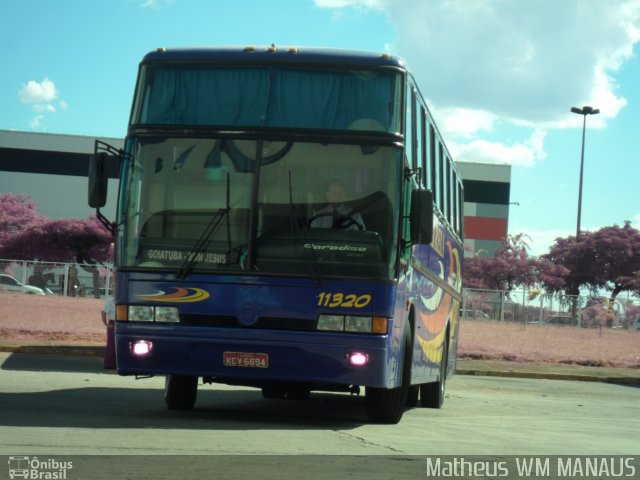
[620,376]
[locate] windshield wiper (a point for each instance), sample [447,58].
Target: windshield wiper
[297,220]
[205,239]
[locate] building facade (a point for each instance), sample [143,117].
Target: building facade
[486,206]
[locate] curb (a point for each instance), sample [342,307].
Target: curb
[98,351]
[629,381]
[76,350]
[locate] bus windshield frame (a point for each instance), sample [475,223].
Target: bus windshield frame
[230,205]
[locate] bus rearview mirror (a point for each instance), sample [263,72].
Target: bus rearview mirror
[421,217]
[98,180]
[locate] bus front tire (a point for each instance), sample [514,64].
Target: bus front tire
[298,393]
[432,394]
[180,392]
[387,405]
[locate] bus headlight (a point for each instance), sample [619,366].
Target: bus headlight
[357,324]
[331,322]
[354,324]
[139,313]
[167,315]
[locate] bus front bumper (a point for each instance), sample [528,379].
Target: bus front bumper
[249,357]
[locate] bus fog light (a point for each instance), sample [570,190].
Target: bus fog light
[140,314]
[331,322]
[141,348]
[358,359]
[357,324]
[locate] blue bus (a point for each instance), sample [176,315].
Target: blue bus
[288,219]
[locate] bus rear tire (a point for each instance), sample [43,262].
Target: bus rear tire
[432,394]
[180,392]
[273,392]
[412,396]
[387,405]
[298,393]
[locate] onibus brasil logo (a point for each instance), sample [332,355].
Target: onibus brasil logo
[40,469]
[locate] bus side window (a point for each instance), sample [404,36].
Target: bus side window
[415,140]
[424,160]
[434,162]
[441,179]
[460,209]
[449,192]
[409,126]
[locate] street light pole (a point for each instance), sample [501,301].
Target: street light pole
[584,111]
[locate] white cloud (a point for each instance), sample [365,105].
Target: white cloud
[38,92]
[44,107]
[462,122]
[484,60]
[156,3]
[36,122]
[373,4]
[540,241]
[523,154]
[41,96]
[510,57]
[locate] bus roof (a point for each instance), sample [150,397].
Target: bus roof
[275,55]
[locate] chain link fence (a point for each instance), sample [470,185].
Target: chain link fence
[524,306]
[538,307]
[49,278]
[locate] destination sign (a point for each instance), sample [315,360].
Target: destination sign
[168,255]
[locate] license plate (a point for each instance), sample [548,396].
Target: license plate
[245,359]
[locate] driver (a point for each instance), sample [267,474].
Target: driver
[336,214]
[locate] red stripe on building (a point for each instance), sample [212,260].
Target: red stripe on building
[485,228]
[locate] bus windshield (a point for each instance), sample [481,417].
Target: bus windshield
[268,96]
[273,207]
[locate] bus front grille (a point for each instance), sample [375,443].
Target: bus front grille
[266,323]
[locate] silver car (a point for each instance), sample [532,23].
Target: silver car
[10,284]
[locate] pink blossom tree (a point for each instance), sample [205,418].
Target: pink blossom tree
[511,267]
[67,240]
[605,259]
[17,214]
[83,241]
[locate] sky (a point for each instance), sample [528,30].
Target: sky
[500,77]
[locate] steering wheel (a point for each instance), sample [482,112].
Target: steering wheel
[344,221]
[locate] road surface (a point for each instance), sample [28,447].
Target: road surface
[55,406]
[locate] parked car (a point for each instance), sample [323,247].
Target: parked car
[560,320]
[473,313]
[10,284]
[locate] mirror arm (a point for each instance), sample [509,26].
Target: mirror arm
[109,225]
[410,172]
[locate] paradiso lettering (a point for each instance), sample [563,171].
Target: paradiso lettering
[179,256]
[336,248]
